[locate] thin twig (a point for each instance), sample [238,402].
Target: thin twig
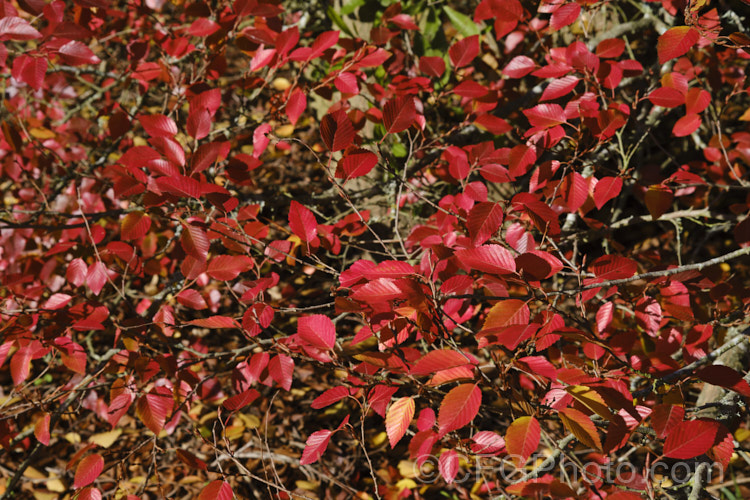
[667,272]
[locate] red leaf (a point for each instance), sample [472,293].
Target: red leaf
[522,439]
[441,359]
[398,418]
[198,122]
[216,490]
[158,125]
[581,426]
[118,407]
[296,105]
[302,222]
[205,156]
[723,449]
[241,400]
[658,200]
[379,290]
[613,267]
[487,443]
[498,126]
[77,54]
[725,376]
[696,100]
[565,15]
[76,272]
[667,97]
[543,217]
[483,221]
[545,115]
[324,41]
[20,364]
[404,21]
[675,42]
[610,48]
[493,259]
[96,278]
[538,265]
[399,114]
[649,315]
[195,242]
[464,51]
[459,407]
[518,67]
[559,87]
[691,438]
[89,493]
[448,465]
[318,330]
[154,408]
[665,417]
[88,470]
[470,89]
[315,447]
[228,267]
[379,397]
[256,318]
[261,139]
[281,369]
[192,299]
[356,164]
[346,83]
[16,28]
[30,70]
[330,396]
[604,316]
[179,185]
[203,27]
[134,225]
[57,301]
[686,125]
[606,189]
[210,99]
[214,322]
[575,191]
[41,429]
[432,65]
[337,130]
[389,269]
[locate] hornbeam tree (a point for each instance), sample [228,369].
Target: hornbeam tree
[380,249]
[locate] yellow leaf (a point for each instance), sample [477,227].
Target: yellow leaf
[407,468]
[106,439]
[54,484]
[32,473]
[72,437]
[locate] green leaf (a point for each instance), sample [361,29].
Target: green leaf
[339,21]
[399,150]
[462,22]
[350,7]
[429,25]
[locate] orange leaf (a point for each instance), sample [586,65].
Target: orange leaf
[398,418]
[522,439]
[459,407]
[581,426]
